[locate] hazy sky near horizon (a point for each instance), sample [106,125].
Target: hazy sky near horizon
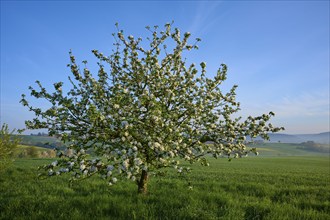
[277,52]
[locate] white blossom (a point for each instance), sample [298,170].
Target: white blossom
[82,167]
[70,164]
[145,168]
[110,168]
[137,161]
[55,163]
[124,124]
[156,145]
[125,164]
[129,174]
[93,169]
[64,170]
[186,157]
[50,172]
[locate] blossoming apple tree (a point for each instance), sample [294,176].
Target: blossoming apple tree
[145,110]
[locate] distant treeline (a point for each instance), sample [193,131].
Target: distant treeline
[315,147]
[40,134]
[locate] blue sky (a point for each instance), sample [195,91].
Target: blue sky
[276,51]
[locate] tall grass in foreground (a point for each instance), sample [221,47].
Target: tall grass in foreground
[249,188]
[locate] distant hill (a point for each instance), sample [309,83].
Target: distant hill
[40,141]
[314,147]
[322,138]
[290,149]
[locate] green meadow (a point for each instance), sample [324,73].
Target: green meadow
[286,187]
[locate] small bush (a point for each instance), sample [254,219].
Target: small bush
[8,143]
[32,152]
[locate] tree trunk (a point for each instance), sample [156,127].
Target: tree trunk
[142,184]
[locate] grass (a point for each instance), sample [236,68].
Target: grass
[249,188]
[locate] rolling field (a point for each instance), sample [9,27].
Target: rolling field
[248,188]
[285,149]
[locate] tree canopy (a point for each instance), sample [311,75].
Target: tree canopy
[146,109]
